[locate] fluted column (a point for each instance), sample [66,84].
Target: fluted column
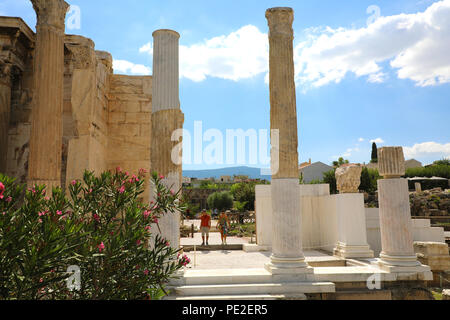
[287,252]
[166,119]
[5,110]
[395,212]
[47,131]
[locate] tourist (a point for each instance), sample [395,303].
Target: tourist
[205,227]
[223,225]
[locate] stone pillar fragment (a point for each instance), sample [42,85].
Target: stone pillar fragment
[287,252]
[47,122]
[395,213]
[166,119]
[5,110]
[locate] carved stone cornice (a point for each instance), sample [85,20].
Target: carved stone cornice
[5,72]
[280,21]
[51,13]
[82,53]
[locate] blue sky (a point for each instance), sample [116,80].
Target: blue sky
[360,77]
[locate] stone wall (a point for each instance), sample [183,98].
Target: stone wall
[106,117]
[129,124]
[435,202]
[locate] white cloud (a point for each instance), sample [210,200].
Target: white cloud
[377,140]
[417,45]
[361,140]
[126,67]
[427,149]
[239,55]
[147,48]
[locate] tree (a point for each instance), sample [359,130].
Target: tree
[220,200]
[330,178]
[340,162]
[244,193]
[374,158]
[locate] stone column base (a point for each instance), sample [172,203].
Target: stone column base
[403,264]
[290,267]
[352,252]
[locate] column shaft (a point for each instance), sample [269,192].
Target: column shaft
[47,121]
[166,118]
[287,251]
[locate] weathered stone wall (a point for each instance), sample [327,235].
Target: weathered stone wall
[129,124]
[16,53]
[106,117]
[85,109]
[434,202]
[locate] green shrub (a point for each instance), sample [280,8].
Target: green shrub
[220,200]
[101,227]
[439,170]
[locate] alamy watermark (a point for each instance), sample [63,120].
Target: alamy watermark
[230,147]
[73,18]
[375,12]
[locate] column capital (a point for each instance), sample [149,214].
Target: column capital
[166,32]
[280,21]
[51,13]
[391,162]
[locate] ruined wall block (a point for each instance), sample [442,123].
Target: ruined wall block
[348,179]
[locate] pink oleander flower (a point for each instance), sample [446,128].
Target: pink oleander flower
[40,220]
[59,212]
[41,214]
[134,178]
[138,242]
[3,213]
[148,228]
[172,192]
[47,198]
[155,220]
[74,182]
[146,214]
[9,199]
[96,217]
[118,169]
[142,171]
[101,247]
[2,189]
[161,177]
[146,272]
[127,174]
[167,244]
[121,189]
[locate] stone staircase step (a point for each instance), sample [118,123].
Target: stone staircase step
[214,247]
[254,297]
[255,289]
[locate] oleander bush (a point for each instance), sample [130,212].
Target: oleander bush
[101,228]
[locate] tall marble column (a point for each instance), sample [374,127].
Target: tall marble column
[166,119]
[5,110]
[47,121]
[287,251]
[395,212]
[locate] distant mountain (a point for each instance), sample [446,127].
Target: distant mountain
[252,173]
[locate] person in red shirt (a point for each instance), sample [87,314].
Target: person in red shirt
[205,226]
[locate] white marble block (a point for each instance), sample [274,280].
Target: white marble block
[351,222]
